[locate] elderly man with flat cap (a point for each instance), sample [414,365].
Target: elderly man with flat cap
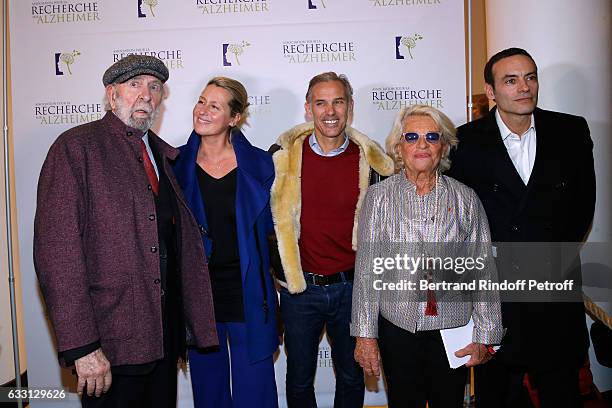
[117,251]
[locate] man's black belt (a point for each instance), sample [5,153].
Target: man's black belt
[324,280]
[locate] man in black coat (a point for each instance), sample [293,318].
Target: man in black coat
[533,171]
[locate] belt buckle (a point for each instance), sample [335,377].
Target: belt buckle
[319,280]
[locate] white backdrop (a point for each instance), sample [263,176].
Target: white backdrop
[395,52]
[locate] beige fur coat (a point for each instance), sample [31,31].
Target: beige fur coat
[286,200]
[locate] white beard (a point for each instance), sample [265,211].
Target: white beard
[125,113]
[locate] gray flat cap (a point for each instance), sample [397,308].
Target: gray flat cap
[133,65]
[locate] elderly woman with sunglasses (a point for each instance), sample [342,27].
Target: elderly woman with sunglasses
[403,297]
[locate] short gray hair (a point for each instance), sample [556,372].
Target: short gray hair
[329,77]
[446,126]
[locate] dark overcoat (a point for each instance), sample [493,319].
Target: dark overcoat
[535,226]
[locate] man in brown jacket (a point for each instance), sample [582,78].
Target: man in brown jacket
[117,252]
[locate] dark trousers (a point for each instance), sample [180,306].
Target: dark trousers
[498,385]
[416,369]
[304,315]
[156,389]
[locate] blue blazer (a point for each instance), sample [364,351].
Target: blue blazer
[254,180]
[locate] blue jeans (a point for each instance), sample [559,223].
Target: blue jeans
[304,315]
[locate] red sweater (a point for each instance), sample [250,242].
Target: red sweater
[330,190]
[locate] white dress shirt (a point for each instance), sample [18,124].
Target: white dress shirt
[145,139]
[312,141]
[521,149]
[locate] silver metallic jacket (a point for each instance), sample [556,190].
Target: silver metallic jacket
[397,226]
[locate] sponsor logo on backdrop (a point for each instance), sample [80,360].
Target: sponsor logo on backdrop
[65,11]
[231,52]
[232,6]
[397,97]
[260,104]
[324,358]
[405,44]
[315,51]
[391,3]
[145,8]
[172,58]
[63,62]
[315,4]
[67,112]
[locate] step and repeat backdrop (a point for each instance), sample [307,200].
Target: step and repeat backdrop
[395,53]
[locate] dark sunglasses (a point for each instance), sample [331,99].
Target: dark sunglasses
[430,137]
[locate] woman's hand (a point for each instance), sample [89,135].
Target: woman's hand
[367,355]
[479,354]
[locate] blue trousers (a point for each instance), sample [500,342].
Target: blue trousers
[304,316]
[252,384]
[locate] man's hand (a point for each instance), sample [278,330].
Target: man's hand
[93,370]
[367,355]
[478,352]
